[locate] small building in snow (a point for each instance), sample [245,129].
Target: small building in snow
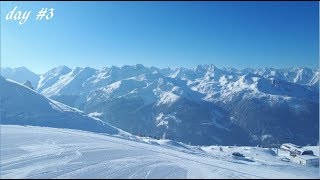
[295,150]
[301,155]
[289,147]
[307,160]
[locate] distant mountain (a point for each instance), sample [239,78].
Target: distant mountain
[21,105]
[28,84]
[51,77]
[201,105]
[21,75]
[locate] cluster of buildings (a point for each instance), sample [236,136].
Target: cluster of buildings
[301,155]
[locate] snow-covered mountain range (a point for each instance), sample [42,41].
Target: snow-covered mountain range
[203,105]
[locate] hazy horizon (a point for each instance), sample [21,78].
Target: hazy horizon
[191,67]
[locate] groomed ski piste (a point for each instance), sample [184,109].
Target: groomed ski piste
[43,152]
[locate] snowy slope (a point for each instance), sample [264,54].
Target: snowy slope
[22,106]
[51,77]
[39,152]
[21,75]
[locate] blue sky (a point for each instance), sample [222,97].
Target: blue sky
[162,34]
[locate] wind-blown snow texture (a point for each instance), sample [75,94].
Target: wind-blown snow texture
[204,105]
[40,152]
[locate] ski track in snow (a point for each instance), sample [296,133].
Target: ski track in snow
[38,152]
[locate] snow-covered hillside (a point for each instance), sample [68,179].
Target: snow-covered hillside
[202,105]
[41,152]
[21,75]
[21,105]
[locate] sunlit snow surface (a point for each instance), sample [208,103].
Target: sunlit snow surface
[41,152]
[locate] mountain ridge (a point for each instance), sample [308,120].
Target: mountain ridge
[199,104]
